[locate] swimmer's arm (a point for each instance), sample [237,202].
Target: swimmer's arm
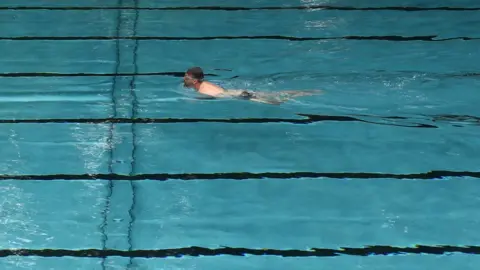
[276,97]
[257,97]
[205,97]
[276,93]
[232,92]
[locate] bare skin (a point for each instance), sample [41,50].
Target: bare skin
[215,91]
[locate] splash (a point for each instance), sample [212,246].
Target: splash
[15,161]
[93,145]
[17,226]
[92,142]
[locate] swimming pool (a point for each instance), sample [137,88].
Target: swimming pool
[108,163]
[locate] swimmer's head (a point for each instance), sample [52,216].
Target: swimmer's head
[193,77]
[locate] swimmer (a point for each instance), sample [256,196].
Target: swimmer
[194,78]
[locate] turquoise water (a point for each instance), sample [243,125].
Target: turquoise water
[83,112]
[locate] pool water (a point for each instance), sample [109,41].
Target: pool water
[108,162]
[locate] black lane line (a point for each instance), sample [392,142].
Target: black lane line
[110,186]
[309,7]
[202,251]
[54,74]
[244,176]
[471,74]
[318,118]
[134,113]
[173,74]
[431,38]
[309,119]
[456,118]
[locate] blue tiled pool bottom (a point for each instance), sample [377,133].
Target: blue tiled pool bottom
[109,163]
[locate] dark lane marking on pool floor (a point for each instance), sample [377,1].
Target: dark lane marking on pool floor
[456,118]
[176,74]
[217,8]
[202,251]
[53,74]
[430,38]
[243,176]
[309,119]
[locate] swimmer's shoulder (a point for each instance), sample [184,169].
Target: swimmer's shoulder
[209,88]
[210,85]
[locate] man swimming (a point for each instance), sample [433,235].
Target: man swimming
[194,78]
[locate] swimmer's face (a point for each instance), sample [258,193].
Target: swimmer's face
[188,81]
